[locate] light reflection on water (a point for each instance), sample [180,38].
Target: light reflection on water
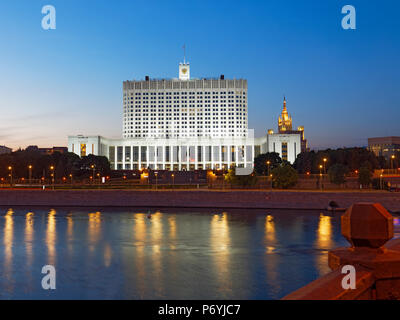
[220,244]
[51,237]
[324,242]
[116,254]
[8,248]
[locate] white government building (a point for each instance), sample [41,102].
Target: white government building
[188,124]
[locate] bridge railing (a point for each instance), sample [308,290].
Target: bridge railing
[371,258]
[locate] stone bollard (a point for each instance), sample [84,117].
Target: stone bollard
[368,226]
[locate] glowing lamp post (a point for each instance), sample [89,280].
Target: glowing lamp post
[92,167]
[320,175]
[391,160]
[325,160]
[52,175]
[11,175]
[30,174]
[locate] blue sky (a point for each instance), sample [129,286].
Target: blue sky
[342,85]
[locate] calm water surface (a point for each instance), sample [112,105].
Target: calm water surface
[191,254]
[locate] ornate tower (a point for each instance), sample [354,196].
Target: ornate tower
[184,68]
[184,71]
[284,121]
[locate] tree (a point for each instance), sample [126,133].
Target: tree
[337,173]
[101,165]
[304,162]
[365,176]
[242,180]
[260,162]
[353,158]
[64,164]
[284,176]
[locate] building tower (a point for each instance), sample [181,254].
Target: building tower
[184,68]
[284,121]
[184,71]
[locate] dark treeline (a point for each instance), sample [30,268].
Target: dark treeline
[63,164]
[69,163]
[352,158]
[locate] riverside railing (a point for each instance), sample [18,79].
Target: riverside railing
[372,259]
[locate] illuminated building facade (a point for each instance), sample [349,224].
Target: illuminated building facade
[284,120]
[384,146]
[178,124]
[287,142]
[187,124]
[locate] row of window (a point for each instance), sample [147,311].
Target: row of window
[180,153]
[180,92]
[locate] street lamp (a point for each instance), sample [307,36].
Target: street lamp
[93,167]
[380,182]
[320,174]
[70,175]
[30,174]
[391,160]
[173,179]
[325,160]
[52,175]
[11,175]
[156,174]
[268,163]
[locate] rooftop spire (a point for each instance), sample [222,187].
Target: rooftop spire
[284,121]
[184,53]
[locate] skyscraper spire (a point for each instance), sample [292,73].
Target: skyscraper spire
[284,121]
[184,53]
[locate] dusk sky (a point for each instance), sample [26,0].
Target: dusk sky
[343,86]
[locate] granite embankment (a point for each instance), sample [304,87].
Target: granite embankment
[195,198]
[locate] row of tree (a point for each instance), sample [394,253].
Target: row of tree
[336,163]
[352,158]
[63,165]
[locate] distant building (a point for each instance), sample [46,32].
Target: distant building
[54,149]
[384,146]
[285,127]
[4,150]
[287,142]
[47,151]
[284,120]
